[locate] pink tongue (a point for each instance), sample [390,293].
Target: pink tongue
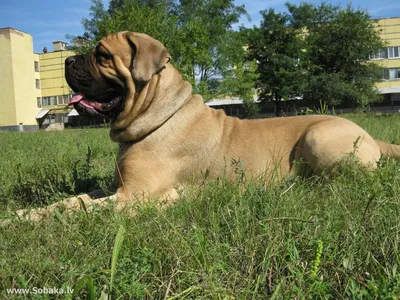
[75,99]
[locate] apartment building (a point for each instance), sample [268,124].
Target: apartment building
[55,90]
[19,81]
[389,58]
[33,91]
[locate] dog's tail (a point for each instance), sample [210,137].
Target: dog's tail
[389,150]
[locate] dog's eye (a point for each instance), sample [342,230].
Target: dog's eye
[102,56]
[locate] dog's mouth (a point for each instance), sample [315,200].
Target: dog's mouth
[91,108]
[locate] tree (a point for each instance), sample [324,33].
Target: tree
[240,78]
[317,52]
[84,43]
[278,50]
[339,43]
[198,34]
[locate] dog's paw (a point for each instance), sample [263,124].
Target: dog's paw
[34,215]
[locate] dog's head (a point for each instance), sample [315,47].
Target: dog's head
[119,66]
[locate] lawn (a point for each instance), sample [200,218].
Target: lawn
[305,238]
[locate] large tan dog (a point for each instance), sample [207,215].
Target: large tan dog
[169,136]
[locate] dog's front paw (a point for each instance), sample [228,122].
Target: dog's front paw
[32,214]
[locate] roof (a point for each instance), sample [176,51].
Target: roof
[42,113]
[393,90]
[14,29]
[73,113]
[385,18]
[228,101]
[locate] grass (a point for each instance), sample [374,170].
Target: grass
[306,238]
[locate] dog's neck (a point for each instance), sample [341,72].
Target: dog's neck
[158,101]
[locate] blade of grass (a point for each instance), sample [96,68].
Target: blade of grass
[117,247]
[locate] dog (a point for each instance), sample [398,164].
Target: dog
[169,137]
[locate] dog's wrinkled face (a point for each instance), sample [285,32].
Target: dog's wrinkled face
[101,79]
[96,95]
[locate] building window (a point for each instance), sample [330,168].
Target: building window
[63,99]
[36,66]
[391,74]
[39,102]
[67,98]
[46,101]
[394,73]
[379,55]
[38,84]
[394,52]
[53,100]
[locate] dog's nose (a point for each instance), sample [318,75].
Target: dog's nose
[69,60]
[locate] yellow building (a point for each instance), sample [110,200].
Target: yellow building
[389,58]
[20,81]
[33,91]
[55,90]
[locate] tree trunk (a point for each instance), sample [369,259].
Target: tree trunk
[278,106]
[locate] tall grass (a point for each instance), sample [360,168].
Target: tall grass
[305,238]
[38,168]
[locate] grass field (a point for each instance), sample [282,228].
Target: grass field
[306,238]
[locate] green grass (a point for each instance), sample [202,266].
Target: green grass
[39,168]
[306,238]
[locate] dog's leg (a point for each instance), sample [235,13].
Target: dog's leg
[86,201]
[327,143]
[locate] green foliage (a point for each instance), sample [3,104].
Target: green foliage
[198,34]
[243,239]
[317,52]
[279,53]
[117,248]
[87,282]
[239,81]
[339,42]
[323,108]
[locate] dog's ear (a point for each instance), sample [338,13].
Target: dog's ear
[149,56]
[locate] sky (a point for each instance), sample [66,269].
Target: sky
[51,20]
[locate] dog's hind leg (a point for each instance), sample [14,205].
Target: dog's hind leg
[327,143]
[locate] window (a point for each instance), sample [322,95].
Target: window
[385,74]
[393,52]
[67,98]
[63,99]
[60,100]
[394,74]
[38,84]
[53,100]
[36,66]
[39,102]
[391,74]
[379,55]
[46,101]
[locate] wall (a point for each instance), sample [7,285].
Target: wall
[390,32]
[7,103]
[18,97]
[26,92]
[52,69]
